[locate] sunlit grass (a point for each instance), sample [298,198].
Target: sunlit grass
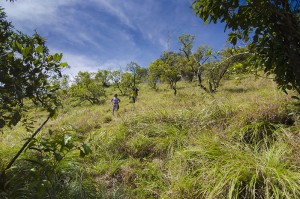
[241,142]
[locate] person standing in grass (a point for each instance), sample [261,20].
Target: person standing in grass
[115,104]
[134,94]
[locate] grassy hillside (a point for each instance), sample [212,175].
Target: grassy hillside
[241,142]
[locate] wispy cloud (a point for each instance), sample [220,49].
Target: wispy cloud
[79,62]
[35,11]
[109,33]
[114,7]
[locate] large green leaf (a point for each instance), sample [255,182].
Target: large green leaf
[85,150]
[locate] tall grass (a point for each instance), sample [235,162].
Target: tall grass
[227,170]
[240,143]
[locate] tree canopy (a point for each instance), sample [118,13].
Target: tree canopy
[167,68]
[88,87]
[26,68]
[272,29]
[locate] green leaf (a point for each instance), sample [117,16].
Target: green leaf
[10,54]
[57,57]
[64,64]
[31,143]
[67,139]
[50,58]
[39,49]
[19,46]
[25,51]
[85,150]
[233,40]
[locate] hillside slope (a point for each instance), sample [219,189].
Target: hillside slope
[241,142]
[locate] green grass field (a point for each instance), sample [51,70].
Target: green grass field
[241,142]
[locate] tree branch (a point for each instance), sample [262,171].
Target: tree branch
[20,151]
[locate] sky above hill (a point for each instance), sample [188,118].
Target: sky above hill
[109,34]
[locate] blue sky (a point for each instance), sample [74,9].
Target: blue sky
[109,34]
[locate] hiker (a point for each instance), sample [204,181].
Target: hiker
[115,104]
[134,94]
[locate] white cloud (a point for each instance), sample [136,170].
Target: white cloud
[114,8]
[114,64]
[35,11]
[85,63]
[79,63]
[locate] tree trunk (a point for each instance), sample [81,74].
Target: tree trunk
[175,90]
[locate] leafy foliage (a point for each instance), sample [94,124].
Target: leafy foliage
[155,70]
[47,171]
[122,81]
[225,61]
[88,88]
[171,69]
[25,70]
[167,68]
[127,82]
[271,27]
[103,77]
[208,67]
[133,68]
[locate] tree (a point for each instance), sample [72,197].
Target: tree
[122,81]
[133,68]
[142,73]
[195,61]
[167,68]
[126,84]
[216,70]
[139,73]
[171,69]
[272,29]
[210,68]
[103,77]
[86,87]
[155,69]
[26,70]
[63,83]
[187,44]
[190,67]
[116,78]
